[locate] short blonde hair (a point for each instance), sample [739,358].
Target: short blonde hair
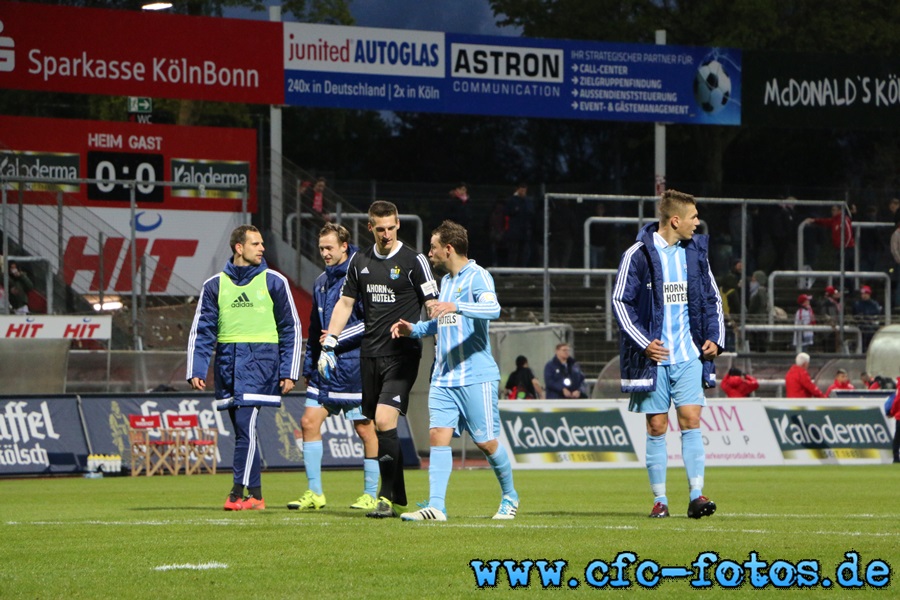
[673,203]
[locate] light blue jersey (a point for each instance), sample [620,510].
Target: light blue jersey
[463,355]
[676,328]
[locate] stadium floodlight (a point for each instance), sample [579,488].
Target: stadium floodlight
[157,6]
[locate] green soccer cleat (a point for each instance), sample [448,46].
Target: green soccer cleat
[308,501]
[365,502]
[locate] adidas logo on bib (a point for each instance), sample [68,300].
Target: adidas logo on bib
[242,301]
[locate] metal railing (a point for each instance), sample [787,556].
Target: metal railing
[801,328]
[857,227]
[356,217]
[615,221]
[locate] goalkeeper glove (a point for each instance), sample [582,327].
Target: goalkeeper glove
[327,360]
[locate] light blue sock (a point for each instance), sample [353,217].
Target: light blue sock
[312,460]
[439,469]
[499,460]
[657,461]
[694,456]
[370,472]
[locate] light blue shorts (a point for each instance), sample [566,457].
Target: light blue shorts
[470,407]
[681,384]
[353,413]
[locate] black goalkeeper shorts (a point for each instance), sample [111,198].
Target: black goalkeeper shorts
[387,380]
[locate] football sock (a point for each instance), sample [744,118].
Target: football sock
[370,474]
[499,461]
[439,469]
[312,460]
[399,481]
[237,490]
[256,492]
[388,449]
[694,459]
[657,460]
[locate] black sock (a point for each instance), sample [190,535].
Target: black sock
[256,492]
[237,490]
[388,451]
[399,482]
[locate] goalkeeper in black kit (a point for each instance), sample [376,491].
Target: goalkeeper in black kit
[394,282]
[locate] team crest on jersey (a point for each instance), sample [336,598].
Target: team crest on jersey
[395,272]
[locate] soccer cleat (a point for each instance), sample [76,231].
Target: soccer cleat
[384,509]
[508,509]
[660,511]
[425,514]
[701,507]
[233,502]
[251,503]
[364,502]
[308,501]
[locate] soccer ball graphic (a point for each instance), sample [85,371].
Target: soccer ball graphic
[712,86]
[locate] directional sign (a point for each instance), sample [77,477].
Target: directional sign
[137,104]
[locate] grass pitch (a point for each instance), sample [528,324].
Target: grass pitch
[168,537]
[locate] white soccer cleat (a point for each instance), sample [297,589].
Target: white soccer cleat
[424,514]
[508,509]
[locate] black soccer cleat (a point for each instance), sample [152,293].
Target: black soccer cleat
[701,507]
[660,511]
[383,510]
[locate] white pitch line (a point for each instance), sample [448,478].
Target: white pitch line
[191,567]
[517,524]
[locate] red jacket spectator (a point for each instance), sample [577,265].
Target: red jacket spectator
[798,383]
[841,382]
[738,385]
[834,222]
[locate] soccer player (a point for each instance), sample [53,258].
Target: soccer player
[246,314]
[670,314]
[343,392]
[465,378]
[394,282]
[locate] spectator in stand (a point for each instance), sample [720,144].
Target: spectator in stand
[497,232]
[889,213]
[895,254]
[872,242]
[312,201]
[867,312]
[738,384]
[459,208]
[731,307]
[869,382]
[522,384]
[782,227]
[563,376]
[603,236]
[758,309]
[830,312]
[841,382]
[563,233]
[892,409]
[834,223]
[19,286]
[804,316]
[520,226]
[798,383]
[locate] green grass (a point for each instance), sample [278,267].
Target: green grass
[80,538]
